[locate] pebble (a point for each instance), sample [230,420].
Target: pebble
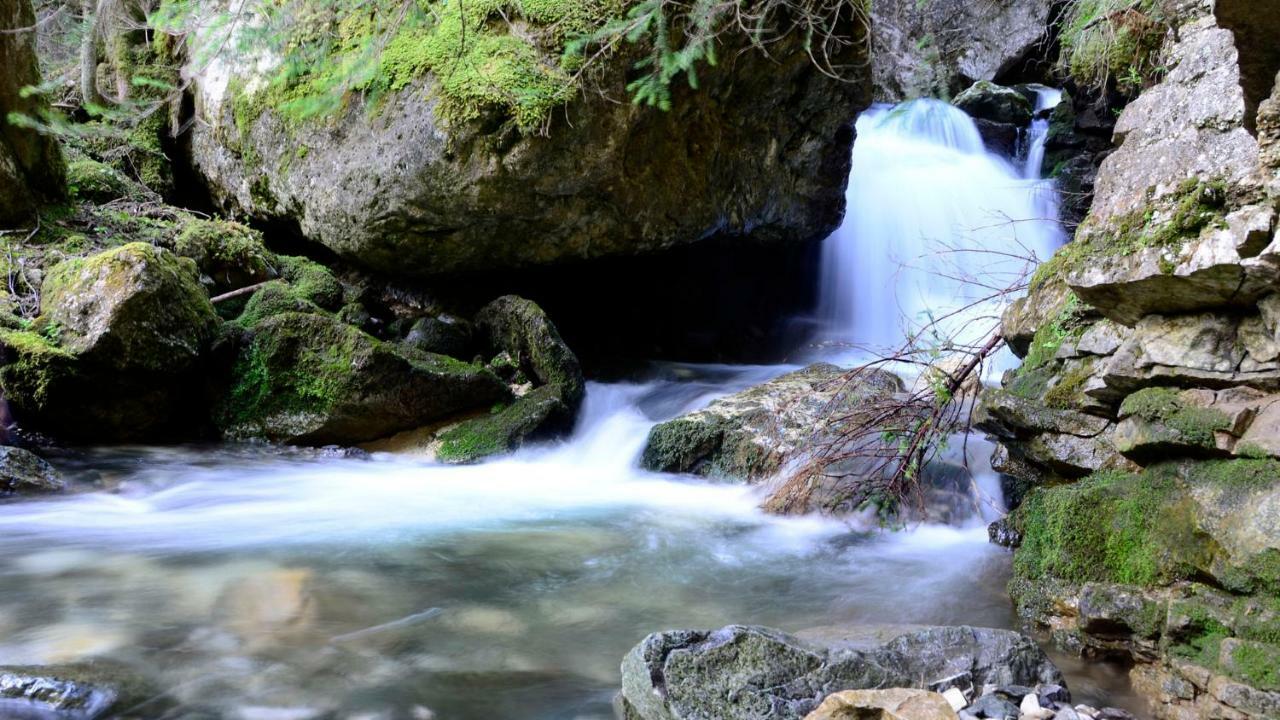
[995,707]
[956,699]
[1030,708]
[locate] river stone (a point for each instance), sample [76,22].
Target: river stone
[521,334]
[761,674]
[760,152]
[78,691]
[22,472]
[745,436]
[995,103]
[443,335]
[893,704]
[311,380]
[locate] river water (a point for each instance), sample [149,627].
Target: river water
[265,584]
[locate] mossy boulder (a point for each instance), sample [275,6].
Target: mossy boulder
[499,161]
[529,352]
[228,254]
[995,103]
[309,379]
[311,281]
[97,182]
[131,307]
[119,352]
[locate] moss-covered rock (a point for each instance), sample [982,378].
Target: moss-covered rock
[228,254]
[311,281]
[987,101]
[309,379]
[96,182]
[119,351]
[540,413]
[747,436]
[468,146]
[521,329]
[134,307]
[22,472]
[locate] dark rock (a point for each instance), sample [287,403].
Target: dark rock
[1000,138]
[1003,534]
[529,350]
[1015,691]
[988,101]
[762,674]
[311,380]
[521,329]
[444,335]
[79,691]
[23,472]
[995,707]
[1115,714]
[1051,695]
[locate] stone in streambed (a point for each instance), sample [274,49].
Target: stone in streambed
[762,674]
[892,704]
[519,333]
[77,691]
[24,473]
[994,103]
[311,380]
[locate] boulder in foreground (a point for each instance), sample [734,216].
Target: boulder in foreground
[742,672]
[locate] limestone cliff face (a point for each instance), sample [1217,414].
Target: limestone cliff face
[938,48]
[31,166]
[1142,432]
[759,152]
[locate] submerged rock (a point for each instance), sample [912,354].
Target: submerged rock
[311,380]
[118,352]
[79,691]
[22,472]
[761,674]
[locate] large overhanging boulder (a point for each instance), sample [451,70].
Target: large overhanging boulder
[404,185]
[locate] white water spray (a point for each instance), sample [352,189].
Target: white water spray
[935,224]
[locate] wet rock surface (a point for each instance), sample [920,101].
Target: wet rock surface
[751,672]
[22,472]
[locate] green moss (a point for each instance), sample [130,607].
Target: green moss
[1112,41]
[229,253]
[274,298]
[96,182]
[1049,338]
[1193,425]
[1183,214]
[1256,663]
[504,429]
[681,444]
[1110,527]
[33,364]
[312,281]
[1066,394]
[505,55]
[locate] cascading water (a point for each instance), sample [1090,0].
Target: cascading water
[253,584]
[935,226]
[1046,100]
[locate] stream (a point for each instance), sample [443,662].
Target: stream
[269,584]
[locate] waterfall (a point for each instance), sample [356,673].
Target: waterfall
[1047,99]
[935,225]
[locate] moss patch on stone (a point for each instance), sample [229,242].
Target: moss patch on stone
[1164,406]
[504,429]
[1196,204]
[485,55]
[311,281]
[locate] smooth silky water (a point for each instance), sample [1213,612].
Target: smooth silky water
[254,583]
